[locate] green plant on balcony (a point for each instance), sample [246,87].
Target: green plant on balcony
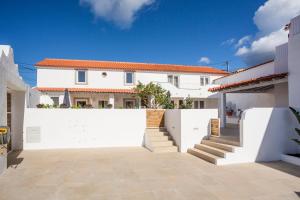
[297,115]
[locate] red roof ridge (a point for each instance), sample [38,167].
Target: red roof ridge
[125,62]
[55,62]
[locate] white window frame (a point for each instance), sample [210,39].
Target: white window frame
[105,102]
[173,79]
[204,80]
[129,100]
[198,104]
[125,78]
[76,77]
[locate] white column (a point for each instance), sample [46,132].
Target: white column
[111,100]
[222,109]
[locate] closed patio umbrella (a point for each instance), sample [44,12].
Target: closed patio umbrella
[66,101]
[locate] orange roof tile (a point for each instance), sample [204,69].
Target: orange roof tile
[248,82]
[97,90]
[131,66]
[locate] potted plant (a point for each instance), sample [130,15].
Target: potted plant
[229,111]
[4,140]
[294,158]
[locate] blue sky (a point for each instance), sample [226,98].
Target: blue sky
[158,31]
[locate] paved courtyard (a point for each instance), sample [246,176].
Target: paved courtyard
[135,173]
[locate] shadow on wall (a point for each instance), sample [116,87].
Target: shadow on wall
[13,159]
[18,110]
[267,133]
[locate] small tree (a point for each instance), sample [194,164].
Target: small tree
[297,115]
[187,104]
[161,97]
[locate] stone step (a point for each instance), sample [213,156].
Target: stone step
[224,141]
[212,150]
[225,147]
[157,134]
[156,129]
[204,155]
[161,143]
[159,138]
[165,149]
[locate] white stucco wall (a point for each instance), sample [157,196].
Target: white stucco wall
[65,78]
[189,126]
[69,128]
[250,100]
[267,133]
[294,63]
[262,70]
[10,82]
[173,125]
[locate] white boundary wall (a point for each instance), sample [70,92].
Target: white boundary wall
[188,127]
[84,128]
[267,133]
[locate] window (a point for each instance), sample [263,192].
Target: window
[129,103]
[170,79]
[176,81]
[55,101]
[102,104]
[180,103]
[81,77]
[173,80]
[201,103]
[81,102]
[129,78]
[204,81]
[198,104]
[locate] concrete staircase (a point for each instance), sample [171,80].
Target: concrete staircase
[158,140]
[217,151]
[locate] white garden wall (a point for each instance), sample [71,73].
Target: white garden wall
[83,128]
[267,133]
[188,127]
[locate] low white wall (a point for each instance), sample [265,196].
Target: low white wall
[70,128]
[195,125]
[188,127]
[173,125]
[267,133]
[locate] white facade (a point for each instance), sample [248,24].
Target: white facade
[189,84]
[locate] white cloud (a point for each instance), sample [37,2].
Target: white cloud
[120,12]
[244,40]
[228,42]
[204,60]
[270,19]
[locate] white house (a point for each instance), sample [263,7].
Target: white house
[100,83]
[14,96]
